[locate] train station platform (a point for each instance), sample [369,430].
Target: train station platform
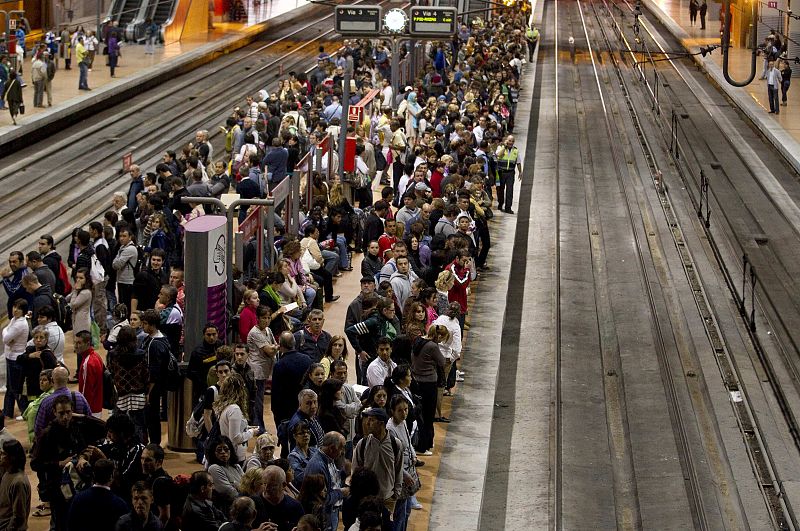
[137,71]
[782,130]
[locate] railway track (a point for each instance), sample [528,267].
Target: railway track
[612,199]
[79,170]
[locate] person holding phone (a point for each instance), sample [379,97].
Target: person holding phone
[231,410]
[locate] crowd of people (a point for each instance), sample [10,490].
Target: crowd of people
[345,448]
[71,47]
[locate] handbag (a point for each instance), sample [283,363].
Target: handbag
[409,490]
[309,263]
[487,213]
[22,108]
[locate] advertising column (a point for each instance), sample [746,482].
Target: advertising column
[206,277]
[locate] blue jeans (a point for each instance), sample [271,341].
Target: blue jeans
[334,516]
[258,410]
[83,80]
[402,510]
[309,293]
[14,381]
[112,63]
[344,257]
[774,104]
[331,260]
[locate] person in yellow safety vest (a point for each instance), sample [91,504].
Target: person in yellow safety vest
[532,36]
[508,164]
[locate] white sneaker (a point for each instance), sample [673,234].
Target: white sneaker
[19,418]
[417,506]
[459,378]
[460,373]
[427,452]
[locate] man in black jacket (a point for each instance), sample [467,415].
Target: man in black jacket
[51,259]
[42,295]
[199,513]
[84,259]
[147,283]
[156,348]
[287,380]
[202,358]
[373,225]
[60,443]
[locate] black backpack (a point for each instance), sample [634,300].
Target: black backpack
[63,312]
[110,395]
[141,260]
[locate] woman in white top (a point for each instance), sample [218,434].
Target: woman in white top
[398,408]
[227,474]
[15,338]
[450,349]
[231,410]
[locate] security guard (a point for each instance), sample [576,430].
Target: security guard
[507,156]
[531,35]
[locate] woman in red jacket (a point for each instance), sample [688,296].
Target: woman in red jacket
[464,272]
[248,318]
[90,372]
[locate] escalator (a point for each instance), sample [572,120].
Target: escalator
[122,13]
[160,12]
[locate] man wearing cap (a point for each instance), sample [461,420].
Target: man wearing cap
[324,463]
[265,452]
[381,452]
[354,309]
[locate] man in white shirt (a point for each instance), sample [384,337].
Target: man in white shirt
[386,93]
[774,81]
[381,367]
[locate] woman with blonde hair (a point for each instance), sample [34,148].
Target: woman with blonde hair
[427,367]
[444,283]
[252,483]
[231,410]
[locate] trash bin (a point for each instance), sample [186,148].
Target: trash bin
[178,410]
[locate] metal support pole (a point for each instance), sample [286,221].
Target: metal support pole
[745,261]
[348,75]
[260,246]
[271,240]
[99,8]
[753,280]
[395,70]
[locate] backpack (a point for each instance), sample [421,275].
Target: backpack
[141,260]
[194,424]
[396,448]
[63,312]
[173,378]
[380,160]
[110,395]
[63,285]
[97,271]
